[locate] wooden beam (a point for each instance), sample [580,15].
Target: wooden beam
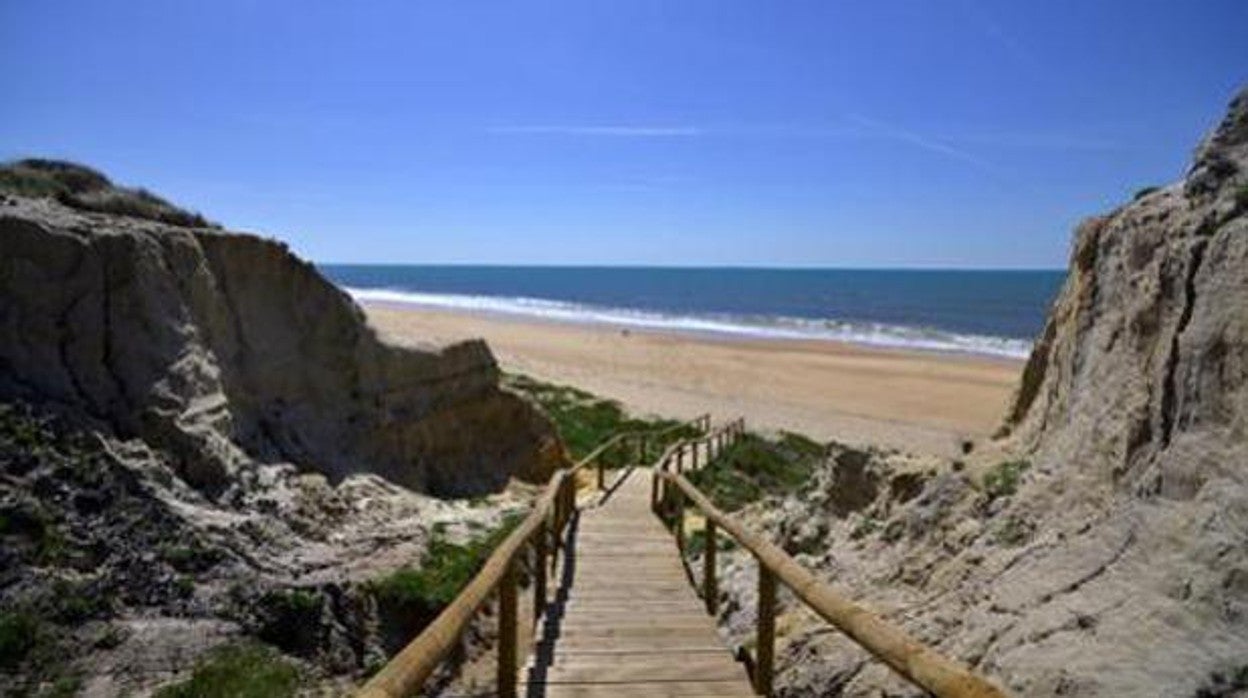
[915,661]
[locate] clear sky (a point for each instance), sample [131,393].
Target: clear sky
[963,133]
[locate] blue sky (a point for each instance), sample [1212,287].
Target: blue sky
[961,133]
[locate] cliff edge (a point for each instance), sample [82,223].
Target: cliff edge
[221,347]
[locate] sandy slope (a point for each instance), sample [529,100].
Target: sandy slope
[917,401]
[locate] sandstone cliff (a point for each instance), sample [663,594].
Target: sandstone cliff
[1101,547]
[1140,378]
[203,443]
[222,348]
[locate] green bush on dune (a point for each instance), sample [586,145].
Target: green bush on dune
[243,670]
[83,188]
[1002,479]
[756,467]
[444,570]
[585,420]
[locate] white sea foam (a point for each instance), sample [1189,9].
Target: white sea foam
[770,327]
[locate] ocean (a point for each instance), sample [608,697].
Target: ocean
[980,312]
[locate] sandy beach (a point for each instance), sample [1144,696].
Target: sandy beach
[915,401]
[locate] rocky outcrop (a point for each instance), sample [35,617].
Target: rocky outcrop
[1141,376]
[1101,547]
[221,348]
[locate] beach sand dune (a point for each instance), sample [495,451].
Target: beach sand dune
[916,401]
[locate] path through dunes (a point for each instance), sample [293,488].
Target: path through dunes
[625,620]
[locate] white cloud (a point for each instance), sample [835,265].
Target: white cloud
[626,131]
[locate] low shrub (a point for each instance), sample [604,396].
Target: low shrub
[83,188]
[585,420]
[755,467]
[444,570]
[244,670]
[1002,479]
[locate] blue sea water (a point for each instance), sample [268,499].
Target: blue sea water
[985,312]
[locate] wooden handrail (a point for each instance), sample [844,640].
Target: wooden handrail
[408,670]
[913,660]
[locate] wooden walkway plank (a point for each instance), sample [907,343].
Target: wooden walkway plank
[625,621]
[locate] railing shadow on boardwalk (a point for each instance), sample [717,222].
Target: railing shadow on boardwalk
[552,620]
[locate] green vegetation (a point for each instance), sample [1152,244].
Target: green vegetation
[1013,532]
[296,602]
[238,671]
[1241,196]
[19,633]
[865,527]
[30,646]
[695,542]
[445,569]
[756,467]
[88,190]
[1140,194]
[585,420]
[1002,479]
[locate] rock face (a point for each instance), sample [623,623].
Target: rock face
[220,348]
[1101,547]
[1141,376]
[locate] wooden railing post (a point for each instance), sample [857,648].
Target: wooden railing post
[539,571]
[602,474]
[766,641]
[654,490]
[680,460]
[507,631]
[680,519]
[710,590]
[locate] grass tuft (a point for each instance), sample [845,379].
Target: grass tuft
[83,188]
[445,569]
[585,420]
[756,467]
[244,670]
[1002,479]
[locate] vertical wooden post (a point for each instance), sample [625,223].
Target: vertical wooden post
[680,460]
[766,644]
[602,474]
[654,491]
[507,631]
[539,571]
[680,519]
[710,590]
[693,455]
[556,533]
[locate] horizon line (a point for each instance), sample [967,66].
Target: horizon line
[632,265]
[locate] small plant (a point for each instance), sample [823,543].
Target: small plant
[1013,532]
[866,526]
[19,633]
[1241,197]
[245,670]
[695,543]
[756,467]
[445,569]
[1002,479]
[1141,193]
[190,558]
[585,421]
[893,532]
[72,603]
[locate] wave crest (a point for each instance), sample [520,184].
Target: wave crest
[762,327]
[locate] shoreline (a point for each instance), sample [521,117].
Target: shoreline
[871,334]
[918,401]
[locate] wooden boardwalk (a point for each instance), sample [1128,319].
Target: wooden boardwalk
[624,620]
